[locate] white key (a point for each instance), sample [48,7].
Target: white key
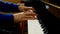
[34,27]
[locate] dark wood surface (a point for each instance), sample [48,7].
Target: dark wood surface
[53,8]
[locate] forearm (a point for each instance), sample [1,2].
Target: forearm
[8,7]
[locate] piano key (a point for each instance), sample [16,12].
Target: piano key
[34,27]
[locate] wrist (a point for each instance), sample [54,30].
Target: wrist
[20,7]
[16,18]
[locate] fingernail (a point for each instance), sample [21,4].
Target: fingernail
[35,16]
[31,10]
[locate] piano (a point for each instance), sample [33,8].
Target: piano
[48,20]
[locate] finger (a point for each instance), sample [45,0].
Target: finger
[26,7]
[31,11]
[29,8]
[30,17]
[30,14]
[25,19]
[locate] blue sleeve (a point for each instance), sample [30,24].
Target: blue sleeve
[8,7]
[6,18]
